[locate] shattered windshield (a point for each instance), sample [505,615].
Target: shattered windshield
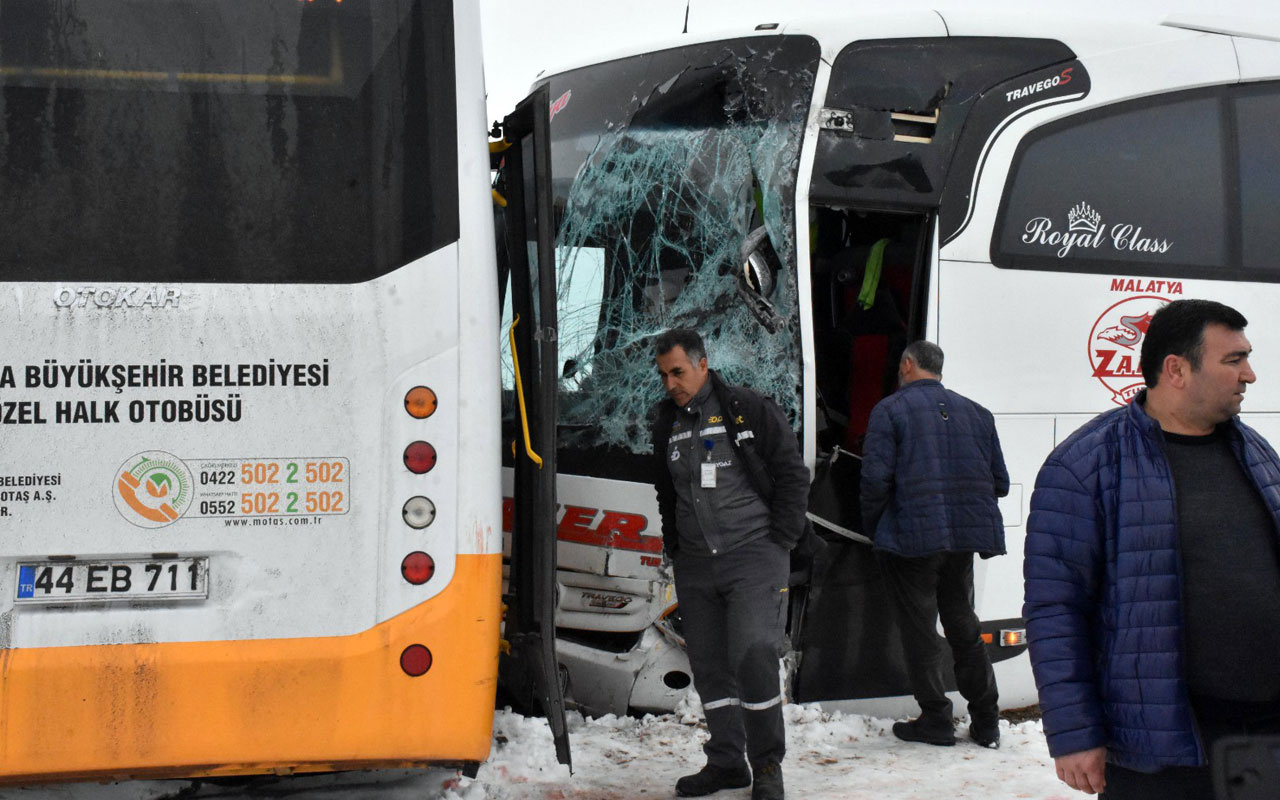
[664,164]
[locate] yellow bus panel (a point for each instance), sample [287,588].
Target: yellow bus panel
[252,706]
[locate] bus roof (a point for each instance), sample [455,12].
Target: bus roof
[1244,27]
[1082,33]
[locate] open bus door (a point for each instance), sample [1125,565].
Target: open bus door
[871,270]
[526,249]
[870,277]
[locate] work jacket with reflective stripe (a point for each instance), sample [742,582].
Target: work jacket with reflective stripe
[765,446]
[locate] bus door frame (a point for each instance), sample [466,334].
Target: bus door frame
[847,636]
[530,619]
[844,517]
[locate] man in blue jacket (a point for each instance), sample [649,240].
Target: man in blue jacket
[932,470]
[1153,571]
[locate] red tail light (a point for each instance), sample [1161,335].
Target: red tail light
[418,567]
[420,457]
[415,660]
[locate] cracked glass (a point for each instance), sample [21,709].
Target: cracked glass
[663,165]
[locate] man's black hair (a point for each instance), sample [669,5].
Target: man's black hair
[685,338]
[1178,330]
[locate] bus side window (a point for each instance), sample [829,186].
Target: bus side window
[1259,148]
[1136,188]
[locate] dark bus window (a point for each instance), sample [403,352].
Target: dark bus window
[224,141]
[1138,188]
[1256,117]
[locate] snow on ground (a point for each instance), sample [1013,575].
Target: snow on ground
[830,755]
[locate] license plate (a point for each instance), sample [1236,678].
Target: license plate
[59,582]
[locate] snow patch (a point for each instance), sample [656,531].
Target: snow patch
[830,756]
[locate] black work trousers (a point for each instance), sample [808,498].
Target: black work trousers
[734,610]
[1171,783]
[927,589]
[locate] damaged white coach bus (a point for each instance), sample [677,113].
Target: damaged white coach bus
[811,197]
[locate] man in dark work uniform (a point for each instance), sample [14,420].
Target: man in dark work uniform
[732,492]
[1153,571]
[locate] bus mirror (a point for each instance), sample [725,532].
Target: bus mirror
[759,263]
[758,276]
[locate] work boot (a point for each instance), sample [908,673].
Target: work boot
[926,731]
[712,779]
[985,732]
[767,784]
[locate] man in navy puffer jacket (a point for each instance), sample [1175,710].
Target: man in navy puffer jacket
[931,472]
[1153,571]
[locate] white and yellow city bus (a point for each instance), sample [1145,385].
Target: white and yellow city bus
[1024,191]
[249,479]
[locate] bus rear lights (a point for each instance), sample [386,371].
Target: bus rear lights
[418,567]
[1013,637]
[419,512]
[420,402]
[420,457]
[415,660]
